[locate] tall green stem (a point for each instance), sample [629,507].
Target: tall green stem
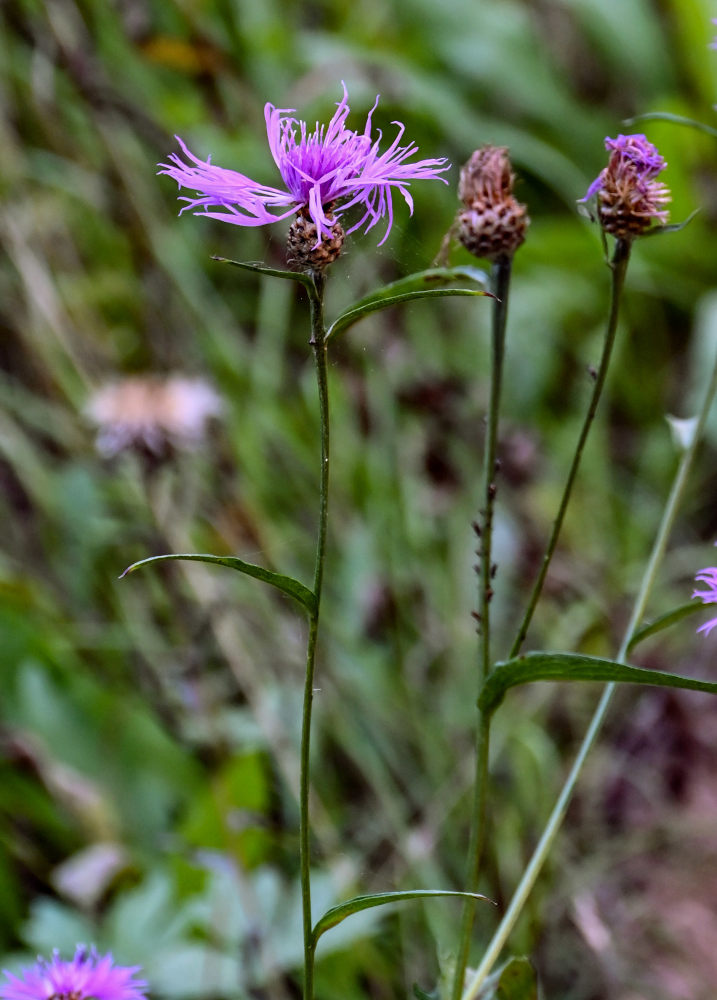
[619,263]
[318,345]
[556,817]
[501,288]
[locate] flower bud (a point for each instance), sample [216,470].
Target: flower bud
[305,252]
[629,199]
[493,223]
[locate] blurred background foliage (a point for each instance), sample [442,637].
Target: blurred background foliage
[149,728]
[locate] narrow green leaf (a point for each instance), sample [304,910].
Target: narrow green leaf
[421,285]
[338,913]
[302,277]
[420,994]
[545,666]
[286,584]
[664,621]
[672,227]
[667,116]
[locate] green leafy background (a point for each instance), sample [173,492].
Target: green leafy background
[149,727]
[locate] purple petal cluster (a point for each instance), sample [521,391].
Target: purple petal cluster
[632,158]
[709,595]
[325,172]
[88,976]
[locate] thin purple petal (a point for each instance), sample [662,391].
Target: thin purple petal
[707,576]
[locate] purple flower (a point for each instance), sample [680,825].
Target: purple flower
[709,577]
[325,172]
[713,44]
[629,199]
[630,155]
[87,977]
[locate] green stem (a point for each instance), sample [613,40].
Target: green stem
[619,263]
[318,345]
[501,287]
[556,817]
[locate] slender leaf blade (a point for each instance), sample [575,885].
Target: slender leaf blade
[664,621]
[286,584]
[273,272]
[668,116]
[421,285]
[547,666]
[338,913]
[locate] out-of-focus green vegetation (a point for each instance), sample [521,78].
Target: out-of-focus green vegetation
[149,728]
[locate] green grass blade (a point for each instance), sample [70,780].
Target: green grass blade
[338,913]
[286,584]
[545,666]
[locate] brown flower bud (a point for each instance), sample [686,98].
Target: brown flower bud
[629,199]
[493,223]
[304,253]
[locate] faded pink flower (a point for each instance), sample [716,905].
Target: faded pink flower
[152,414]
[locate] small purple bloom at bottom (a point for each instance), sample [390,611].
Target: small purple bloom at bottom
[88,976]
[709,596]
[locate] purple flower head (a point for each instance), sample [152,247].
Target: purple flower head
[88,976]
[631,155]
[628,197]
[713,44]
[709,596]
[325,172]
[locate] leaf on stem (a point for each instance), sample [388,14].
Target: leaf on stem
[421,285]
[286,584]
[672,227]
[338,913]
[664,621]
[301,276]
[546,666]
[667,116]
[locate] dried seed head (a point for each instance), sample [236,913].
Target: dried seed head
[304,253]
[493,223]
[629,199]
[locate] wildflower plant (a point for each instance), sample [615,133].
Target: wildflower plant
[332,174]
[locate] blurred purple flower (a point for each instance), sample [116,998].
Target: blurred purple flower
[713,44]
[629,199]
[325,172]
[87,976]
[631,156]
[709,596]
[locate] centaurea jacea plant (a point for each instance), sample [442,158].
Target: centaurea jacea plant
[328,172]
[629,200]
